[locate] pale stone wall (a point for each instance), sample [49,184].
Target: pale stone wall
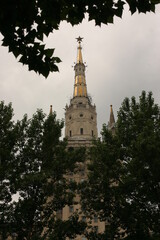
[80,114]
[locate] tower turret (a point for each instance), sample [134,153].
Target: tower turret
[111,123]
[50,111]
[111,119]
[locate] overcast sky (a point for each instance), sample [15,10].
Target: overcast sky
[122,60]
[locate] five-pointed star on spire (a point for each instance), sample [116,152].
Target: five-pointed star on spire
[79,39]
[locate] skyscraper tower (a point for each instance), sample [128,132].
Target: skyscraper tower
[80,115]
[80,129]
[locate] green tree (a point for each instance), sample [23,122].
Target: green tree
[100,193]
[37,173]
[25,23]
[123,181]
[138,129]
[8,142]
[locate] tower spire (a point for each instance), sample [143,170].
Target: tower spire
[79,55]
[80,114]
[80,87]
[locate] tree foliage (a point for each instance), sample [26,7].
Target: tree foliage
[123,182]
[24,24]
[139,131]
[101,192]
[34,163]
[8,141]
[122,188]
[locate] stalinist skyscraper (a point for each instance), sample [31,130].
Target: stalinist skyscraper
[80,115]
[80,129]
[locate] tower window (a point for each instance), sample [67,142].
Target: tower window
[70,133]
[95,219]
[71,209]
[96,229]
[91,117]
[59,214]
[70,149]
[92,133]
[81,131]
[83,218]
[81,114]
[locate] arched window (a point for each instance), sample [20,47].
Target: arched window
[81,131]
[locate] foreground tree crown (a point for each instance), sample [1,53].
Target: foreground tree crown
[33,162]
[122,188]
[24,24]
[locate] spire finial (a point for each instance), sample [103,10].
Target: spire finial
[50,112]
[79,55]
[79,39]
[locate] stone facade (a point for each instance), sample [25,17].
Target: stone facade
[80,120]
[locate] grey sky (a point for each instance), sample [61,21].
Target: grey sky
[122,58]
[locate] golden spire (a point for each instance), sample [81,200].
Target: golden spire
[50,112]
[80,87]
